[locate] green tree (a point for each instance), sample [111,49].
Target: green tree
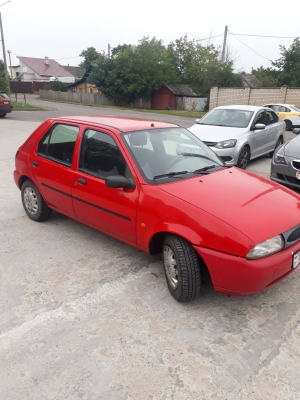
[267,77]
[133,71]
[90,55]
[3,82]
[59,86]
[289,65]
[200,66]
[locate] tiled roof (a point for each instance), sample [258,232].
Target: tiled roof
[78,72]
[181,89]
[39,66]
[249,80]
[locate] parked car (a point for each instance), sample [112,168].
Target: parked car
[285,166]
[289,113]
[240,133]
[5,105]
[124,177]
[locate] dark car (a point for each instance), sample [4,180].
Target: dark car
[5,105]
[285,167]
[125,178]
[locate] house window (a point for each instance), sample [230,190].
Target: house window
[80,90]
[91,89]
[24,69]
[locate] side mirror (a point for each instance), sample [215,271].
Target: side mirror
[259,127]
[118,181]
[296,131]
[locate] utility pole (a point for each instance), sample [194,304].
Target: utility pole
[224,44]
[3,49]
[108,51]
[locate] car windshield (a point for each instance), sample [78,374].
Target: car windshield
[295,108]
[3,95]
[170,153]
[227,117]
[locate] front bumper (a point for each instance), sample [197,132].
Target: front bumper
[285,174]
[237,276]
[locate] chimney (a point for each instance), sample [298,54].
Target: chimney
[47,60]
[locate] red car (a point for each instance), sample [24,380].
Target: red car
[5,105]
[136,181]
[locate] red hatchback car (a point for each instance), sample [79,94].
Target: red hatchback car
[157,187]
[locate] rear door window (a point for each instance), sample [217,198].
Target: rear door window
[58,143]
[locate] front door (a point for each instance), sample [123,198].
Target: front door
[110,210]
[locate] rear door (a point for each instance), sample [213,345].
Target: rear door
[51,166]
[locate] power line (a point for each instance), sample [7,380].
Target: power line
[266,36]
[250,47]
[211,37]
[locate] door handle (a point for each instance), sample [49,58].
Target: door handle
[82,181]
[35,163]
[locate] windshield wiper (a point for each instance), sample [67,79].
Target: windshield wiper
[204,170]
[170,174]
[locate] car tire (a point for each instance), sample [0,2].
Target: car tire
[33,203]
[278,143]
[2,115]
[244,158]
[182,268]
[288,125]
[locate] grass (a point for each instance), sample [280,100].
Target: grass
[24,106]
[180,113]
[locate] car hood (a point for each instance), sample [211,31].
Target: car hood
[292,148]
[249,203]
[212,133]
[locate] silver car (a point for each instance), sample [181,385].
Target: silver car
[285,166]
[238,134]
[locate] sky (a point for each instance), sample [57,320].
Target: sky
[62,29]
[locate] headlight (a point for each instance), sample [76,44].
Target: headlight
[264,249]
[225,144]
[278,159]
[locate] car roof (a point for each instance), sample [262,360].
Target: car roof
[124,124]
[241,107]
[281,104]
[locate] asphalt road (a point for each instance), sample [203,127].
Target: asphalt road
[84,316]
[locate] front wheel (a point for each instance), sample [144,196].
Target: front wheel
[278,144]
[182,269]
[244,158]
[33,203]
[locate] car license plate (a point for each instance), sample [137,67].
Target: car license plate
[296,259]
[298,174]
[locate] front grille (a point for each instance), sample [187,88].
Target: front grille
[295,235]
[296,164]
[211,144]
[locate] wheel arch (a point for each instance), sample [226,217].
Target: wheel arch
[156,243]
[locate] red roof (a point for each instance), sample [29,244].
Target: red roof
[39,66]
[124,124]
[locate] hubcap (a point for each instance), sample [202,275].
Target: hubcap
[171,267]
[31,201]
[244,159]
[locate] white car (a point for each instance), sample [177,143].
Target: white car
[238,134]
[289,113]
